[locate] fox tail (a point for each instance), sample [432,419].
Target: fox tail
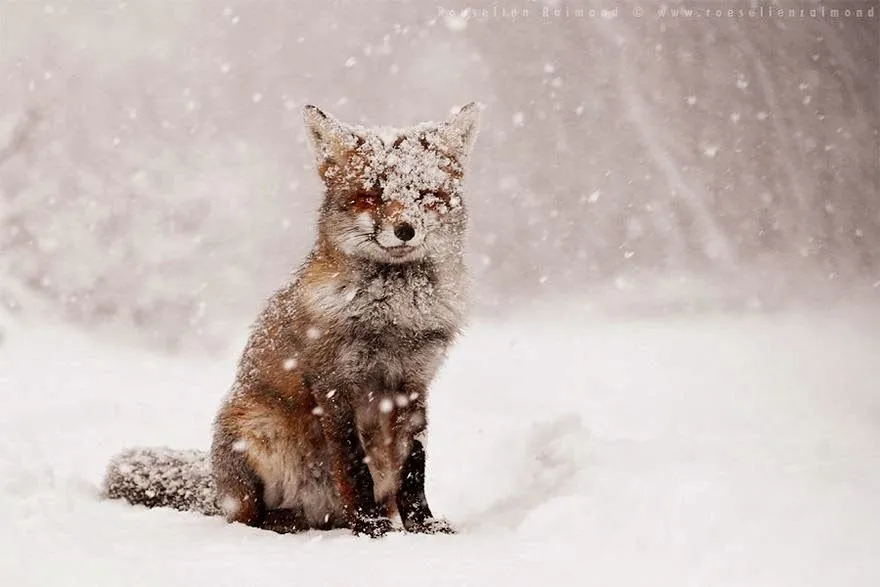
[162,477]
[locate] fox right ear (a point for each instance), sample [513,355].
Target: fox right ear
[460,131]
[329,138]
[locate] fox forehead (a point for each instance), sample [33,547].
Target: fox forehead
[400,163]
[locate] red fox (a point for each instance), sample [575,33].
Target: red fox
[323,427]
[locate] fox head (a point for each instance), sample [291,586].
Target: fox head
[392,195]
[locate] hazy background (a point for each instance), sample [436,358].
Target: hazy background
[155,185]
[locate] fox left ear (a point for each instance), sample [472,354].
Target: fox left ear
[329,138]
[460,131]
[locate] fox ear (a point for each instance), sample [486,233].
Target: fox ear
[328,137]
[460,130]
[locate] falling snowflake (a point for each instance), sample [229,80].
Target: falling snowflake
[229,505]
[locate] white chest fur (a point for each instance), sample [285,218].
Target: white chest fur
[412,300]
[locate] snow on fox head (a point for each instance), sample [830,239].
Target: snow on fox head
[393,195]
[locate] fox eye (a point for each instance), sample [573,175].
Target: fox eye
[366,200]
[433,200]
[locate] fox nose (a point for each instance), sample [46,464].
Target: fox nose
[404,231]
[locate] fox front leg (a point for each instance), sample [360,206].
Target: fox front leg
[351,476]
[411,501]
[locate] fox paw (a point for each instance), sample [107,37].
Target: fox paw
[372,527]
[430,526]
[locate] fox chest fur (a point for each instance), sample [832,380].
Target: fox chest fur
[385,324]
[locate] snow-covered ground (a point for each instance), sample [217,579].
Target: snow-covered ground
[705,451]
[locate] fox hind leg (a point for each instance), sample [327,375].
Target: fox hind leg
[240,492]
[239,489]
[284,521]
[242,489]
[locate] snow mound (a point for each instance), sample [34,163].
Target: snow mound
[719,450]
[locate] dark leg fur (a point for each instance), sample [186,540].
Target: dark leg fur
[411,501]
